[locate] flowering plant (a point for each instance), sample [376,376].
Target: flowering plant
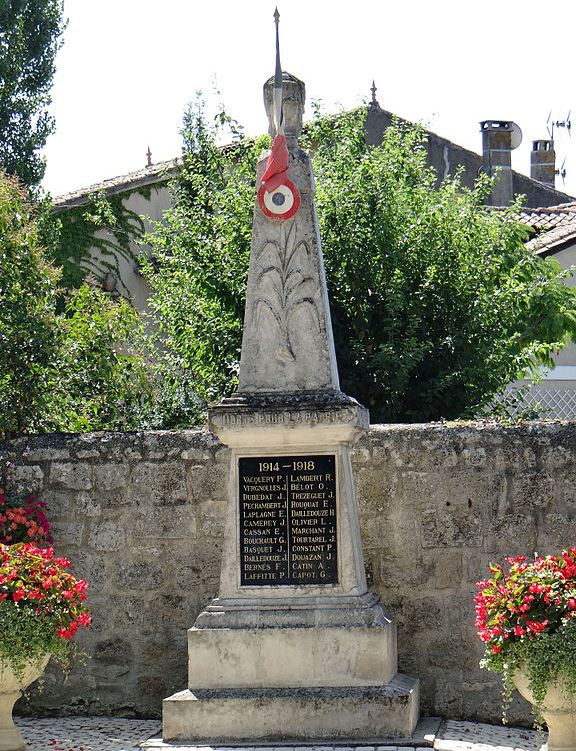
[526,616]
[41,605]
[23,521]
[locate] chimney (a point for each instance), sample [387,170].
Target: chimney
[499,137]
[543,162]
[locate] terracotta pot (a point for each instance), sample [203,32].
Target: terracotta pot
[559,712]
[11,688]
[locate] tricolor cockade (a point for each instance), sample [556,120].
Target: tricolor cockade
[278,197]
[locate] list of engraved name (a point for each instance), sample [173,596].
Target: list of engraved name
[288,520]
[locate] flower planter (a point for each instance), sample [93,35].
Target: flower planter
[559,711]
[11,687]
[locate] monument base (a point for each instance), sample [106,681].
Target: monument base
[291,657]
[302,715]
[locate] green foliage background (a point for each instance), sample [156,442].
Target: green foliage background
[30,32]
[436,303]
[69,360]
[28,345]
[79,243]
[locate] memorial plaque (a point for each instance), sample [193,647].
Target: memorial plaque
[288,520]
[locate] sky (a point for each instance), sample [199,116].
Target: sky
[128,68]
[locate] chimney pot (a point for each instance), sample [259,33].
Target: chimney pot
[499,137]
[543,162]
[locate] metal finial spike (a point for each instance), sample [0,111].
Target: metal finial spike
[149,157]
[373,90]
[278,114]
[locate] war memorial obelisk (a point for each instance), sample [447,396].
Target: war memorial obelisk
[295,647]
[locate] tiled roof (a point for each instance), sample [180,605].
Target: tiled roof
[555,226]
[550,217]
[154,174]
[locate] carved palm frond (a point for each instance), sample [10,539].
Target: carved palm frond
[286,265]
[312,309]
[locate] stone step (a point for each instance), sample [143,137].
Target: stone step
[293,714]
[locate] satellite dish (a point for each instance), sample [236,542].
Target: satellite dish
[516,139]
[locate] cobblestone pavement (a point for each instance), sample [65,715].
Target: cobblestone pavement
[86,733]
[113,734]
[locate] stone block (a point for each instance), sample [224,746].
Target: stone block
[162,482]
[46,454]
[129,612]
[474,456]
[298,715]
[514,534]
[450,528]
[86,505]
[110,476]
[171,523]
[469,490]
[94,568]
[139,574]
[67,533]
[533,490]
[558,531]
[172,610]
[113,652]
[567,489]
[418,616]
[439,453]
[558,457]
[291,657]
[71,475]
[207,482]
[88,454]
[448,570]
[109,535]
[60,503]
[28,479]
[448,694]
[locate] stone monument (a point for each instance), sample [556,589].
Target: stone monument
[295,647]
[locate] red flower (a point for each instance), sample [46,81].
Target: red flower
[536,627]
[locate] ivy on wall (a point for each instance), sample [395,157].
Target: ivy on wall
[95,236]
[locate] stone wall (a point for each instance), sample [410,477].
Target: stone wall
[141,517]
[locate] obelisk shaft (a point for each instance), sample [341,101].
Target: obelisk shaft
[287,344]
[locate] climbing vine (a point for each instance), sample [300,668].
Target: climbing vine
[95,236]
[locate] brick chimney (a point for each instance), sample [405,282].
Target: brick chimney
[543,162]
[499,137]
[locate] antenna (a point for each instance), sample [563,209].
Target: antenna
[562,171]
[566,123]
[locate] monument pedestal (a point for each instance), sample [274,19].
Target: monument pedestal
[295,648]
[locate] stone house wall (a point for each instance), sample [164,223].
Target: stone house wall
[141,514]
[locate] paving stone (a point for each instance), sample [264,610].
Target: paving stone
[86,733]
[116,734]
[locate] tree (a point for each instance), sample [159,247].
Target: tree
[84,368]
[436,303]
[200,254]
[101,376]
[28,327]
[30,33]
